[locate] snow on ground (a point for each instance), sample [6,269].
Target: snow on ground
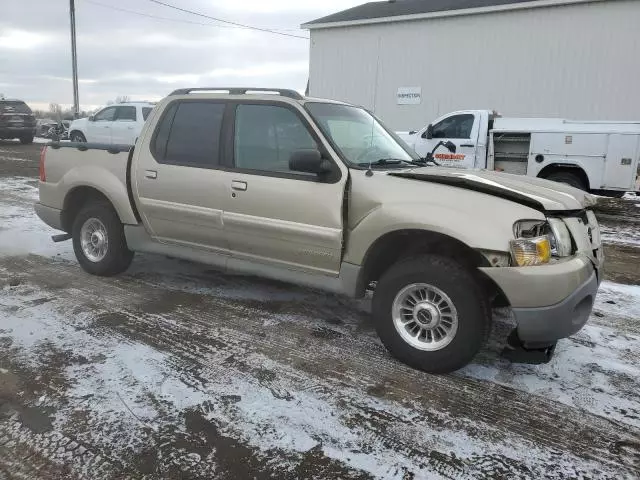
[132,390]
[21,231]
[622,234]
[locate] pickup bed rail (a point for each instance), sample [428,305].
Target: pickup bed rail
[84,146]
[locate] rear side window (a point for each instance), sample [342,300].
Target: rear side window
[189,134]
[126,114]
[145,112]
[14,107]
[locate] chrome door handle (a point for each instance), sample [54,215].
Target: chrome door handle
[152,174]
[238,185]
[130,128]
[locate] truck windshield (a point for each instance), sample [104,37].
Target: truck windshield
[359,137]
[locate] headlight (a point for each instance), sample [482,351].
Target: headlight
[538,240]
[531,251]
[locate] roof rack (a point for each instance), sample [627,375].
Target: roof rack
[285,92]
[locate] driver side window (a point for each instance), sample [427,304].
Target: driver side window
[105,115]
[458,126]
[266,136]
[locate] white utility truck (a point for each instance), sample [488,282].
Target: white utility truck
[600,157]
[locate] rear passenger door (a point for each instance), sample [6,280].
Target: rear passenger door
[123,129]
[176,181]
[274,215]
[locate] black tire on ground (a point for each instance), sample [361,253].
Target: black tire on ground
[613,193]
[26,140]
[568,178]
[77,137]
[118,256]
[474,313]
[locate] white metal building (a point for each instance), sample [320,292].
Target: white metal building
[412,60]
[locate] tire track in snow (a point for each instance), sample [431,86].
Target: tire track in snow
[203,332]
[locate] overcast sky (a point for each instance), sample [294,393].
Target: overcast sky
[120,53]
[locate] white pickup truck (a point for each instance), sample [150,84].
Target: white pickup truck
[599,157]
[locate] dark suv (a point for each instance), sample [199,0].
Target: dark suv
[17,121]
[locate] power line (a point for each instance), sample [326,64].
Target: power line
[177,20]
[228,21]
[155,16]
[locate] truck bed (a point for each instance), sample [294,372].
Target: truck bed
[103,167]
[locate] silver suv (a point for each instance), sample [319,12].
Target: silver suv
[320,193]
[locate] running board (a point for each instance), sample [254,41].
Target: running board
[516,351]
[61,237]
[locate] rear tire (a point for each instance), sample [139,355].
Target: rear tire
[464,325]
[567,178]
[99,242]
[77,137]
[28,140]
[613,193]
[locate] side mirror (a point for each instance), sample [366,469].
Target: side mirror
[450,146]
[428,133]
[92,118]
[309,161]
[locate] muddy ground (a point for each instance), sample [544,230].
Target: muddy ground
[173,370]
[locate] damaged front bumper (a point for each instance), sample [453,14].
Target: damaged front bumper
[549,302]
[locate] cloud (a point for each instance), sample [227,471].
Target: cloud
[121,53]
[22,40]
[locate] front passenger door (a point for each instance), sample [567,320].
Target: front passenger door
[99,130]
[274,215]
[123,128]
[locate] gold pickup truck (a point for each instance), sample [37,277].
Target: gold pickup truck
[320,193]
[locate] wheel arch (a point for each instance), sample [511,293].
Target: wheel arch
[397,245]
[79,197]
[571,168]
[77,130]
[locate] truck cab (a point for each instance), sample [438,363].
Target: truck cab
[466,129]
[600,157]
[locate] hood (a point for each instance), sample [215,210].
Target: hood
[78,123]
[542,195]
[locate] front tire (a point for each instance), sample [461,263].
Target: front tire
[431,314]
[77,137]
[99,242]
[26,140]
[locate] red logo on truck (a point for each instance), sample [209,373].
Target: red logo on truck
[449,156]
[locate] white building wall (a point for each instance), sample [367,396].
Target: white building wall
[579,61]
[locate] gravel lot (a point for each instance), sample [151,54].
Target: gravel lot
[173,370]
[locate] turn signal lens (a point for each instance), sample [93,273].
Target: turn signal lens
[530,251]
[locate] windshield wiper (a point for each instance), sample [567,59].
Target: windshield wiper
[387,161]
[426,161]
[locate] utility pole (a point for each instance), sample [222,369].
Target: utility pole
[74,59]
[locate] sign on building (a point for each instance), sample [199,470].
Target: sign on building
[409,95]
